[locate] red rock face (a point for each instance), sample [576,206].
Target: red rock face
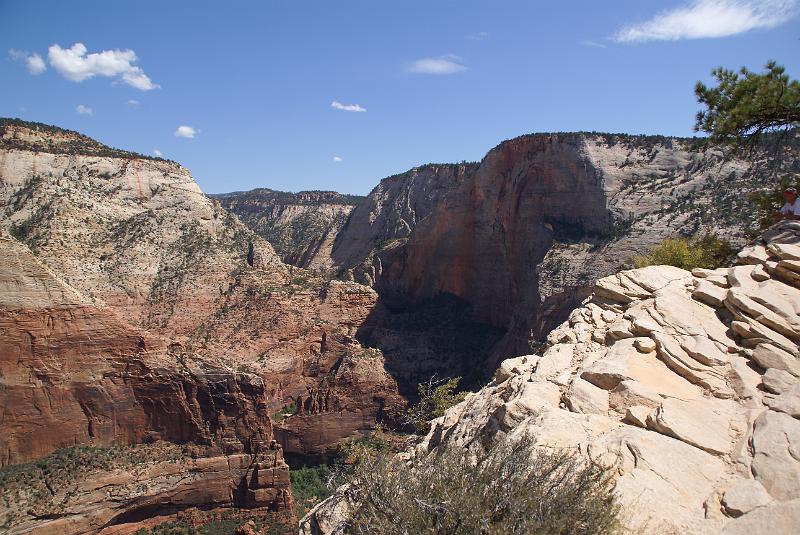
[232,334]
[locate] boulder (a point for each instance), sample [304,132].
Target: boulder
[744,495]
[586,398]
[769,356]
[707,424]
[776,457]
[778,381]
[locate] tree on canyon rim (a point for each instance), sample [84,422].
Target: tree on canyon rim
[745,105]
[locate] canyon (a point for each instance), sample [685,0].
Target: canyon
[138,312]
[684,385]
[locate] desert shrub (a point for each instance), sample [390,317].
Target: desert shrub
[706,251]
[435,397]
[509,490]
[287,410]
[356,450]
[310,485]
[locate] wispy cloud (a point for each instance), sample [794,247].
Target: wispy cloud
[478,36]
[76,65]
[133,102]
[701,19]
[80,109]
[33,61]
[185,131]
[158,153]
[337,159]
[347,107]
[449,64]
[593,44]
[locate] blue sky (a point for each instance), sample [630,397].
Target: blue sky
[413,82]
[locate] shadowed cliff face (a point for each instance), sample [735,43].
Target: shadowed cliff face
[380,225]
[482,243]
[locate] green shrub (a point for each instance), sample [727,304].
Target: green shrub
[358,449]
[510,490]
[707,251]
[287,410]
[435,397]
[310,485]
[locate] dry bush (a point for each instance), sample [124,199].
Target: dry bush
[509,490]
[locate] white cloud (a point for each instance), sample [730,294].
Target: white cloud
[710,18]
[133,102]
[158,153]
[347,107]
[479,36]
[442,65]
[593,44]
[185,131]
[80,109]
[76,65]
[337,159]
[33,62]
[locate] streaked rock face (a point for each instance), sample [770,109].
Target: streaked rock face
[301,226]
[650,379]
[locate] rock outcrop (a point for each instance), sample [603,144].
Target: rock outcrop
[684,384]
[381,224]
[300,226]
[115,492]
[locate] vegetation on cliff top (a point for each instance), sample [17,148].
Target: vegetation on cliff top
[706,251]
[77,144]
[512,489]
[745,105]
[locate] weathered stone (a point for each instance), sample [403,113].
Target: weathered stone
[637,415]
[787,402]
[710,294]
[760,273]
[709,425]
[778,381]
[556,359]
[770,356]
[776,459]
[586,398]
[781,517]
[629,393]
[753,254]
[744,495]
[619,330]
[623,361]
[645,345]
[784,251]
[510,367]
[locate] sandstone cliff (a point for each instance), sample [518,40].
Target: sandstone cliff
[300,226]
[138,236]
[74,373]
[520,239]
[687,385]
